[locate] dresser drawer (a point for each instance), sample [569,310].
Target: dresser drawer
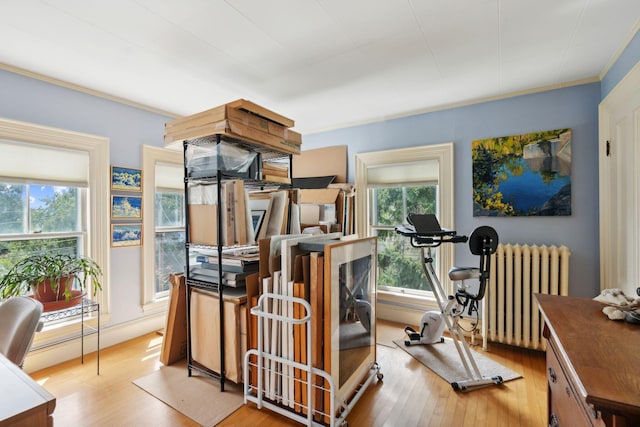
[566,405]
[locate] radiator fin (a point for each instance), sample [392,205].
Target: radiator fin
[510,313]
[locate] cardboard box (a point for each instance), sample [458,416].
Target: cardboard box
[203,225]
[243,104]
[240,120]
[326,161]
[205,334]
[174,345]
[330,202]
[319,196]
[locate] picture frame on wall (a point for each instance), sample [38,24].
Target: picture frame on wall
[126,207]
[350,301]
[123,235]
[523,175]
[126,179]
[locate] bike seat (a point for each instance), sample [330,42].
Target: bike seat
[464,273]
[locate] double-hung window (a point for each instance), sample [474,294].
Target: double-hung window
[392,184]
[54,197]
[164,223]
[169,233]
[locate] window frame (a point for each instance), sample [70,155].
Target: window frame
[151,156]
[98,203]
[396,306]
[167,229]
[374,229]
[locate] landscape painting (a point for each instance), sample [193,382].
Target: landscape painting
[126,179]
[126,207]
[523,175]
[126,235]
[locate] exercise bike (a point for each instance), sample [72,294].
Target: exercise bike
[425,233]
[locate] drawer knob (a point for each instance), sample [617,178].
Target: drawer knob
[553,421]
[552,375]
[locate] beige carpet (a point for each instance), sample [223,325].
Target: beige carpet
[444,360]
[198,397]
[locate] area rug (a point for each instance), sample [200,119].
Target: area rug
[198,397]
[444,360]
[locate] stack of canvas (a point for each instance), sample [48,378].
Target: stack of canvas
[276,172]
[337,278]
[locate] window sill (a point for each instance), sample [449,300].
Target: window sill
[403,308]
[155,306]
[407,299]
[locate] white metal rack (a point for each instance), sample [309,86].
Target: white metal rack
[255,390]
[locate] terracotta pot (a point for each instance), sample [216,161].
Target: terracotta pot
[44,293]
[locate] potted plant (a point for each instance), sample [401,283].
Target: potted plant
[50,277]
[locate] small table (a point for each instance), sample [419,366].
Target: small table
[24,402]
[85,307]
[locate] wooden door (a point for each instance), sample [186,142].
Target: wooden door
[620,186]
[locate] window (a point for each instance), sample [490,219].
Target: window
[40,218]
[163,222]
[399,262]
[395,183]
[170,238]
[54,195]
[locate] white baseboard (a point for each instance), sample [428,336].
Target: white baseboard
[400,313]
[52,355]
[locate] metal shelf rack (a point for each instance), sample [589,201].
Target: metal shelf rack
[216,176]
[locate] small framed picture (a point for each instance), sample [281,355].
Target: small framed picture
[257,218]
[126,179]
[126,235]
[126,207]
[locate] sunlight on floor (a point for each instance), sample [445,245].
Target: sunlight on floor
[155,342]
[150,356]
[153,349]
[43,381]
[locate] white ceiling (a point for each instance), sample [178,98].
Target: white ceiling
[324,63]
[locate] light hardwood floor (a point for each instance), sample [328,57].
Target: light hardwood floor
[409,395]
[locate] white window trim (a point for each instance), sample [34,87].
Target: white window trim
[409,306]
[99,233]
[151,156]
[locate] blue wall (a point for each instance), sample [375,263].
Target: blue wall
[128,128]
[627,60]
[574,107]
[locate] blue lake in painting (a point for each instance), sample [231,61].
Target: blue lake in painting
[523,175]
[533,184]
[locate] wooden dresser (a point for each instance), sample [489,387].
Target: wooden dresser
[593,364]
[22,401]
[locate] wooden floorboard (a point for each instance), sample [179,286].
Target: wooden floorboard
[408,395]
